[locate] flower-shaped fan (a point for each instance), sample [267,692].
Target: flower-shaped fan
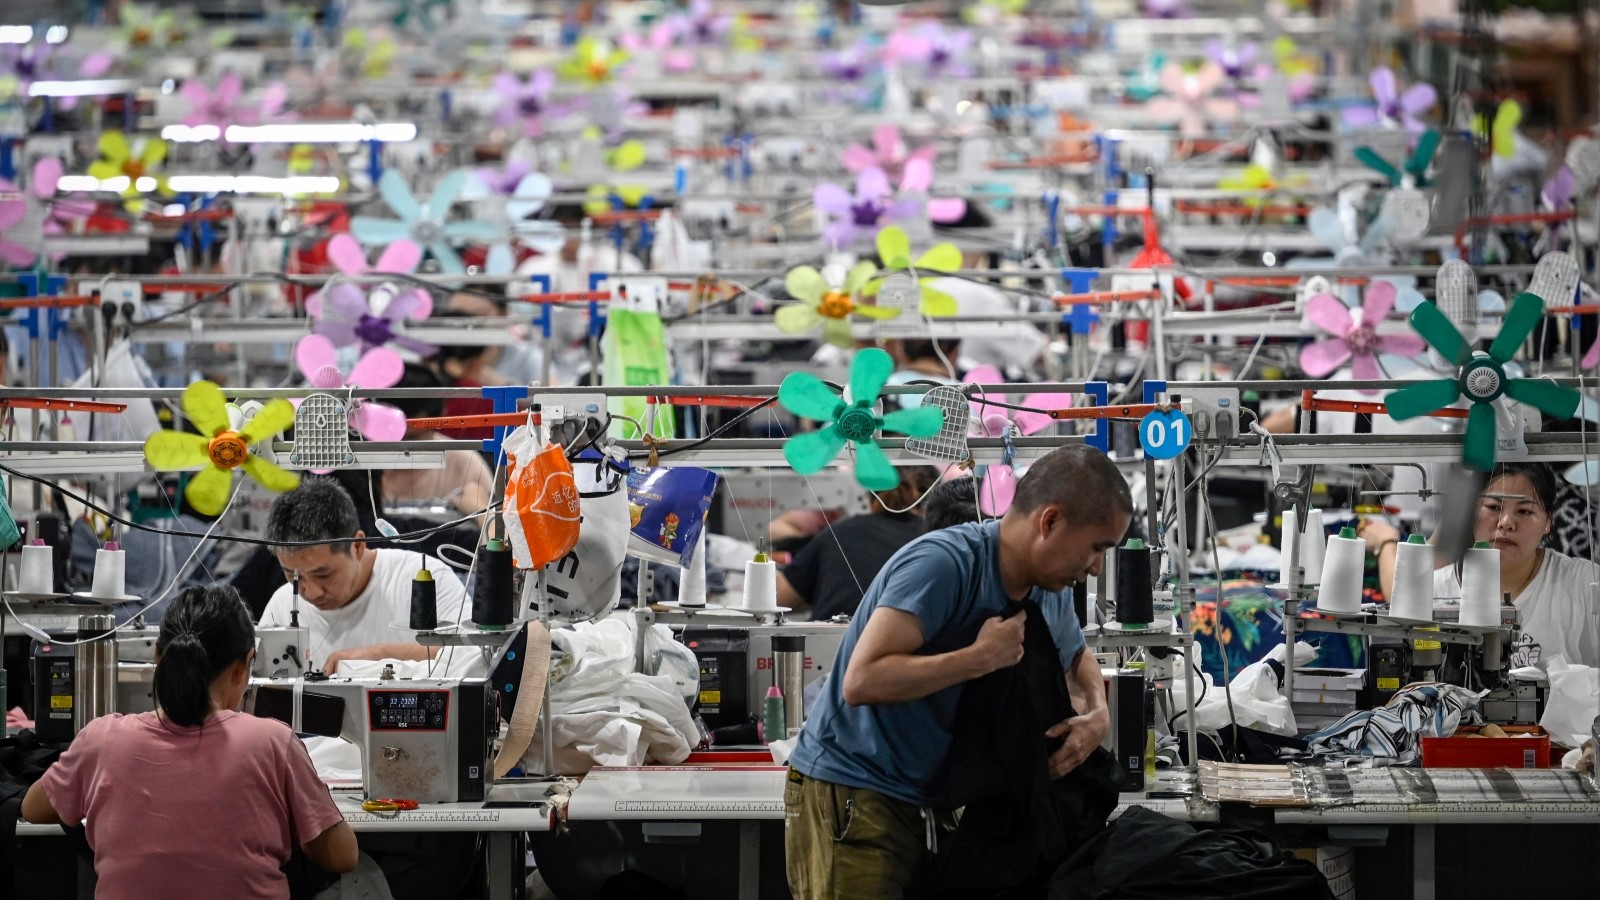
[425,226]
[853,420]
[894,250]
[345,316]
[1192,98]
[1355,339]
[221,105]
[1393,106]
[592,62]
[220,448]
[378,368]
[523,103]
[1481,378]
[873,204]
[135,162]
[1000,481]
[828,302]
[18,237]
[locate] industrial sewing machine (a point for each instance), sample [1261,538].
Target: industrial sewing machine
[428,740]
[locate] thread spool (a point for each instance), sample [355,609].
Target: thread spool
[425,602]
[38,574]
[1480,586]
[692,581]
[1314,551]
[1135,593]
[1341,575]
[110,572]
[493,601]
[761,583]
[1080,601]
[1413,581]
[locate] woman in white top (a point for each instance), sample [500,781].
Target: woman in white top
[1550,590]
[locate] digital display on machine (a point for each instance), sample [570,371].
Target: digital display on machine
[409,710]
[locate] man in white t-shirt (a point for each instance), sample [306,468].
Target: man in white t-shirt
[355,600]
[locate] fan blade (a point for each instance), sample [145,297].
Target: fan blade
[205,407]
[1378,164]
[810,452]
[1437,329]
[413,304]
[1519,322]
[374,230]
[378,368]
[1422,157]
[1423,398]
[273,418]
[379,422]
[868,372]
[1477,447]
[170,451]
[313,352]
[445,193]
[804,394]
[1552,399]
[395,192]
[921,421]
[805,283]
[997,490]
[270,476]
[209,489]
[873,469]
[796,318]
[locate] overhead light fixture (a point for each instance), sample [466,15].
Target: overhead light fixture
[88,88]
[16,34]
[56,34]
[296,133]
[207,184]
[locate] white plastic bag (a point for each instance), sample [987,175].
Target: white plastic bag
[587,583]
[1572,704]
[1258,699]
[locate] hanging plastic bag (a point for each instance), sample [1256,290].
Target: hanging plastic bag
[541,511]
[667,511]
[586,583]
[1570,706]
[634,350]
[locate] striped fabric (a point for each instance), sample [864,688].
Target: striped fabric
[1391,735]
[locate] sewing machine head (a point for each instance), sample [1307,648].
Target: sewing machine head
[427,740]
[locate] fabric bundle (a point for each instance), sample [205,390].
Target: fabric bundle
[1391,735]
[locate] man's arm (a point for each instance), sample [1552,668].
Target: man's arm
[886,668]
[414,652]
[1085,731]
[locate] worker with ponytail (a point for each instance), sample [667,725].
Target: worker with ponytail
[148,785]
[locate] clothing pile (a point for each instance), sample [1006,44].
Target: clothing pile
[1391,735]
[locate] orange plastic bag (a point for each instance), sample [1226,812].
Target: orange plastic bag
[541,509]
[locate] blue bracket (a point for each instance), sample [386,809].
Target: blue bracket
[374,161]
[1152,389]
[1052,212]
[597,322]
[55,321]
[8,161]
[1083,316]
[505,401]
[1108,154]
[446,104]
[1101,439]
[543,320]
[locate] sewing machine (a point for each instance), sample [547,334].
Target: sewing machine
[427,740]
[1510,700]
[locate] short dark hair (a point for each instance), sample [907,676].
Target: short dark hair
[318,511]
[1078,478]
[950,503]
[206,630]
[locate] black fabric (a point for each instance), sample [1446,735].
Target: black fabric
[1243,745]
[1016,825]
[1144,855]
[23,761]
[834,569]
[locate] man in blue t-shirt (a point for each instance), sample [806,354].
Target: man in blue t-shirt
[854,817]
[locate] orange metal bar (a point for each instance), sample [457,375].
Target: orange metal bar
[1102,297]
[1104,412]
[64,405]
[1515,219]
[615,216]
[1312,403]
[1196,207]
[487,420]
[708,400]
[60,301]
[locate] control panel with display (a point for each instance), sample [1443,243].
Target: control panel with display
[409,710]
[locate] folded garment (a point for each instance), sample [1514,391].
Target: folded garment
[1391,735]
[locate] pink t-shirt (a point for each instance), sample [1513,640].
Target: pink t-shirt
[190,812]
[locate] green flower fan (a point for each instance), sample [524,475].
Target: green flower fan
[855,422]
[894,249]
[1481,377]
[1416,167]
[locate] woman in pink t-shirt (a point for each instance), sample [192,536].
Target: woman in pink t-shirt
[195,799]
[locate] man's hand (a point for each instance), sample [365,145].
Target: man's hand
[999,643]
[1083,733]
[331,664]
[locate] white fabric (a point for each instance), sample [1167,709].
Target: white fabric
[1571,704]
[385,602]
[605,712]
[1557,618]
[1016,346]
[1258,699]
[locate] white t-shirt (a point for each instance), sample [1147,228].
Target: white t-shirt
[1554,608]
[386,601]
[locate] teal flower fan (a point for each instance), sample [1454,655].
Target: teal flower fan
[855,422]
[1416,167]
[1481,377]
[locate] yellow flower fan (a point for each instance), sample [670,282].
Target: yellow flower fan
[223,451]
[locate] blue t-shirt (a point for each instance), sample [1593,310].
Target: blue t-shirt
[950,580]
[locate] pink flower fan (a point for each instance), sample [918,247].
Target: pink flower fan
[658,42]
[872,205]
[1190,99]
[1355,341]
[1000,483]
[347,255]
[524,103]
[14,242]
[378,368]
[889,153]
[222,104]
[344,313]
[61,214]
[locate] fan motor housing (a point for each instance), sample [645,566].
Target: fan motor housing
[1482,379]
[227,450]
[858,424]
